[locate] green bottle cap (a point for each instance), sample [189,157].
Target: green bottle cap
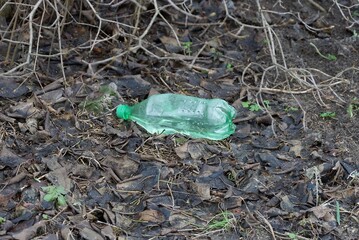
[123,111]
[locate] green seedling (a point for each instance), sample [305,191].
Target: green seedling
[55,194]
[45,216]
[355,34]
[266,103]
[265,42]
[180,140]
[2,220]
[353,107]
[327,115]
[229,67]
[355,13]
[224,220]
[337,210]
[187,47]
[98,105]
[292,236]
[254,107]
[291,109]
[231,177]
[329,56]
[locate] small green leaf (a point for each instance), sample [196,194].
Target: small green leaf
[292,236]
[61,201]
[331,57]
[229,67]
[266,103]
[327,115]
[353,107]
[55,193]
[337,208]
[61,190]
[49,197]
[355,13]
[180,140]
[187,47]
[350,110]
[291,109]
[246,104]
[2,220]
[254,108]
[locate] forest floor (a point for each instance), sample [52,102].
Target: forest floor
[69,169]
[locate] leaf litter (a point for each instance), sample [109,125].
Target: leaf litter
[70,170]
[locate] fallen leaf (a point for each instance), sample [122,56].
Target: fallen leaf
[122,166]
[22,110]
[320,211]
[179,221]
[90,234]
[171,44]
[10,89]
[203,190]
[182,151]
[9,159]
[151,216]
[133,86]
[30,232]
[59,177]
[296,148]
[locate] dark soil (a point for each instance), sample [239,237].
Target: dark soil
[70,170]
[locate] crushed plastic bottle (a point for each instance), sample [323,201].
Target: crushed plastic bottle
[175,113]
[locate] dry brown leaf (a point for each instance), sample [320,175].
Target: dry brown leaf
[296,148]
[320,211]
[180,221]
[90,234]
[151,216]
[203,190]
[30,232]
[122,166]
[182,151]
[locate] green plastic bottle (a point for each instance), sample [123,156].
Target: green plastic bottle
[175,113]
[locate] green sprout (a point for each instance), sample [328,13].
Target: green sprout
[2,220]
[231,177]
[337,210]
[187,47]
[266,103]
[229,67]
[291,109]
[254,107]
[55,194]
[223,220]
[246,104]
[355,34]
[98,105]
[329,56]
[180,140]
[327,115]
[355,13]
[265,42]
[353,107]
[292,236]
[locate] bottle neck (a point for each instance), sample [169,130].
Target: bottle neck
[123,111]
